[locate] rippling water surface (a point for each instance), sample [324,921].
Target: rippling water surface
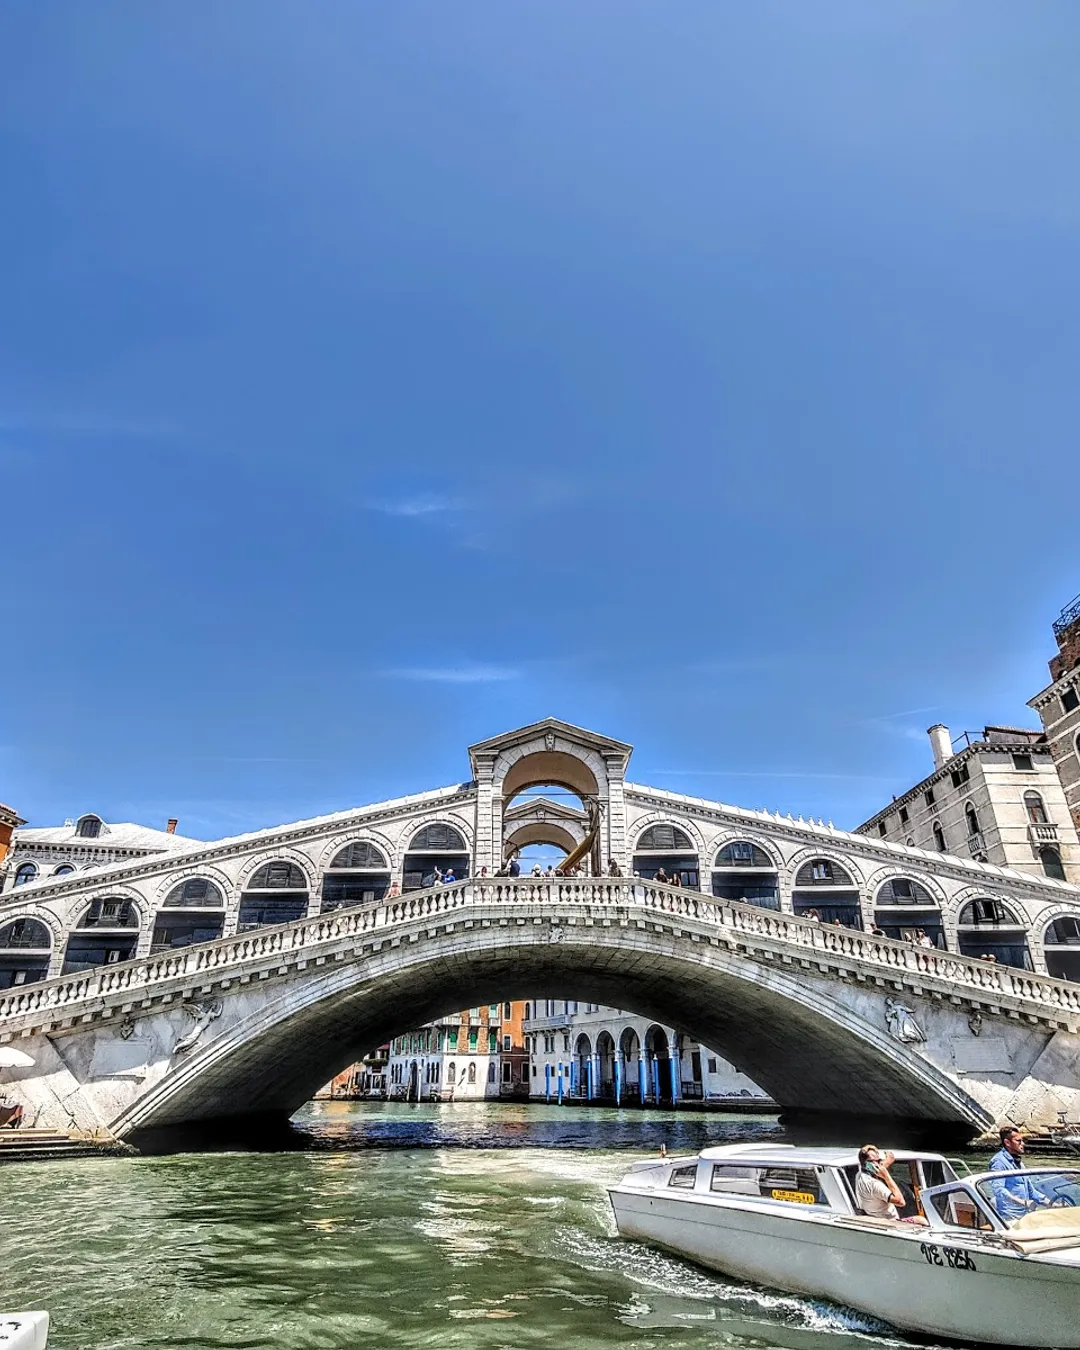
[460,1225]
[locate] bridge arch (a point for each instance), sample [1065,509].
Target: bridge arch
[549,760]
[802,1042]
[541,832]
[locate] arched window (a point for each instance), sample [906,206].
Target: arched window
[23,933]
[88,827]
[939,838]
[194,893]
[107,932]
[903,891]
[745,873]
[25,945]
[667,837]
[358,875]
[1051,863]
[25,873]
[185,930]
[742,853]
[277,893]
[1035,808]
[358,854]
[829,890]
[906,910]
[64,870]
[437,838]
[823,872]
[451,1074]
[472,1071]
[434,848]
[664,852]
[111,912]
[278,876]
[491,1071]
[1061,947]
[971,816]
[988,928]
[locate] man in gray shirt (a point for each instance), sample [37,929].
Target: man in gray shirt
[876,1194]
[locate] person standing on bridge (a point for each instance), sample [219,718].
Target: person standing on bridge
[514,869]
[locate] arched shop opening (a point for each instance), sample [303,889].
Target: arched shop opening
[543,854]
[277,893]
[989,928]
[107,932]
[605,1064]
[904,908]
[744,872]
[658,1062]
[437,847]
[582,1082]
[1061,947]
[193,911]
[634,1078]
[826,887]
[358,875]
[667,849]
[25,950]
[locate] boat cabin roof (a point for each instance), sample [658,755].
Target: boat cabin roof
[785,1155]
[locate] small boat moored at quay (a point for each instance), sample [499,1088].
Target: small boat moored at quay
[993,1257]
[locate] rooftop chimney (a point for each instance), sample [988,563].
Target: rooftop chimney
[941,744]
[170,826]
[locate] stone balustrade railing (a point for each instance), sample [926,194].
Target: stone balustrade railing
[735,924]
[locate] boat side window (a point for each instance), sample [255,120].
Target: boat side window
[683,1178]
[959,1208]
[933,1172]
[796,1185]
[735,1180]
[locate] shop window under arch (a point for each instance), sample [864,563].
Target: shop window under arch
[437,847]
[1061,947]
[988,928]
[25,948]
[904,909]
[358,875]
[277,893]
[665,851]
[107,932]
[827,891]
[744,872]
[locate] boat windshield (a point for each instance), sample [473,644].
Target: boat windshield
[1029,1201]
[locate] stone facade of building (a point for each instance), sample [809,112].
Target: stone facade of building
[1058,706]
[473,1055]
[9,822]
[996,798]
[56,851]
[587,1051]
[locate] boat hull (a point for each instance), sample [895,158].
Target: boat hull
[923,1282]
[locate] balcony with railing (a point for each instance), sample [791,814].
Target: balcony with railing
[1042,832]
[1067,617]
[976,843]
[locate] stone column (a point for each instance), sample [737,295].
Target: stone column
[615,833]
[487,846]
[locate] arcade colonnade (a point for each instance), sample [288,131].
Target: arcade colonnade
[66,923]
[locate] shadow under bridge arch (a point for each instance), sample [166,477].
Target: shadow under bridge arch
[270,1050]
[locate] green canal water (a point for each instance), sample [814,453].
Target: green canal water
[389,1225]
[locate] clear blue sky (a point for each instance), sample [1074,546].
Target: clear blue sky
[376,378]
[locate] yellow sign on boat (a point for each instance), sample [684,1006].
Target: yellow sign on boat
[796,1197]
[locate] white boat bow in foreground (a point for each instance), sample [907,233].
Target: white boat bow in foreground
[997,1260]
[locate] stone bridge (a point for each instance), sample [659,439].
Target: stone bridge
[825,1018]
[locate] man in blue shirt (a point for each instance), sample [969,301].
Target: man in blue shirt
[1010,1156]
[1015,1197]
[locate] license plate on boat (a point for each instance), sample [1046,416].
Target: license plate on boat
[795,1197]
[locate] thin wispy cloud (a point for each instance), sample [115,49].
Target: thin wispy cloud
[906,712]
[454,674]
[769,773]
[415,508]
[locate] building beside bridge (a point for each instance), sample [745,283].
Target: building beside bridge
[1058,706]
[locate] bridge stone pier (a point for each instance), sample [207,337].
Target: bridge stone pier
[242,1028]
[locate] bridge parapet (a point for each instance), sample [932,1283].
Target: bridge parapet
[763,934]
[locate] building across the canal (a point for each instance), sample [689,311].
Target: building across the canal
[473,1055]
[587,1051]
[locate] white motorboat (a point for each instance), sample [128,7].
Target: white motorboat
[24,1331]
[997,1260]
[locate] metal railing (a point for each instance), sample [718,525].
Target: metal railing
[1067,617]
[734,925]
